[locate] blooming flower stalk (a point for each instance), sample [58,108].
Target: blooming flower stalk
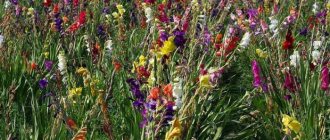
[325,78]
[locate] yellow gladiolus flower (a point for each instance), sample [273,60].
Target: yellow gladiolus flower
[115,15]
[82,71]
[168,47]
[175,130]
[261,53]
[75,92]
[46,54]
[142,60]
[291,123]
[204,81]
[121,9]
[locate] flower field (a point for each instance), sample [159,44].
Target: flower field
[164,69]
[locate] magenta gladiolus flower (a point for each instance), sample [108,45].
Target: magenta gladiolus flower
[290,82]
[325,78]
[256,74]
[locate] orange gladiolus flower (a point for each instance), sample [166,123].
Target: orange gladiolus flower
[154,93]
[168,90]
[33,66]
[117,65]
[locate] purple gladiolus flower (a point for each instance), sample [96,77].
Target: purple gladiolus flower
[179,39]
[48,65]
[303,31]
[152,105]
[325,78]
[169,113]
[252,13]
[207,37]
[15,2]
[43,83]
[58,24]
[287,97]
[135,89]
[163,36]
[106,10]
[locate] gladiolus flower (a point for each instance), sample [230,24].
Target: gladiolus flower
[168,90]
[168,47]
[149,15]
[47,3]
[150,1]
[1,40]
[117,65]
[261,53]
[291,123]
[82,71]
[43,83]
[290,82]
[325,78]
[70,122]
[154,93]
[33,66]
[75,92]
[169,112]
[48,65]
[175,130]
[62,64]
[256,74]
[245,40]
[204,81]
[288,43]
[75,3]
[295,59]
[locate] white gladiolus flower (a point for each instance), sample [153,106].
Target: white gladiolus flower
[201,19]
[148,12]
[295,59]
[86,39]
[7,4]
[177,92]
[108,47]
[315,8]
[1,40]
[245,40]
[316,55]
[62,63]
[317,44]
[273,24]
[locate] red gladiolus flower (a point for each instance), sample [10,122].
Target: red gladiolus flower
[232,44]
[142,72]
[55,9]
[117,66]
[33,66]
[75,3]
[47,3]
[82,18]
[288,43]
[70,122]
[73,27]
